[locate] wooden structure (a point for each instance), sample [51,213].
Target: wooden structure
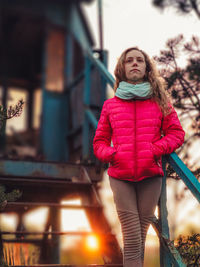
[46,44]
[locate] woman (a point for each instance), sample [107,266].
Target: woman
[143,126]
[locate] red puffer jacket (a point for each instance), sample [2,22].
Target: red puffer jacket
[135,128]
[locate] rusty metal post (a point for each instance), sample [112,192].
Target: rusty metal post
[30,108]
[3,123]
[165,260]
[86,101]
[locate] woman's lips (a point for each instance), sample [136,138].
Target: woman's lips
[134,70]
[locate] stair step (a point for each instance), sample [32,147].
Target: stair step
[10,206]
[43,191]
[55,233]
[46,170]
[33,180]
[72,265]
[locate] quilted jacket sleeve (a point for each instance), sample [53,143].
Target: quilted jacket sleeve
[101,143]
[173,135]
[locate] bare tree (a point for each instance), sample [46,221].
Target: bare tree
[183,83]
[9,113]
[182,6]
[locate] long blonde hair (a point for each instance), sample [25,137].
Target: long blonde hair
[158,85]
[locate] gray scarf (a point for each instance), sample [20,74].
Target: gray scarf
[134,91]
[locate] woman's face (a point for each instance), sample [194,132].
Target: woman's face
[135,66]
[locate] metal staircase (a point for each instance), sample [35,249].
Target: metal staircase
[45,185]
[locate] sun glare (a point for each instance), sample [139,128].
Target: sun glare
[8,221]
[92,242]
[36,219]
[74,220]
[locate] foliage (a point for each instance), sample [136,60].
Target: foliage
[8,113]
[189,249]
[5,197]
[183,83]
[5,114]
[182,6]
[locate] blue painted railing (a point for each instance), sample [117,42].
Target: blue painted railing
[169,256]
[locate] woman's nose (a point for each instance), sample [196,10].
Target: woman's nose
[134,63]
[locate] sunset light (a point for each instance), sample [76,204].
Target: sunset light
[92,242]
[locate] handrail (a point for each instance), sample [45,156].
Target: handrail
[103,70]
[168,245]
[185,174]
[91,118]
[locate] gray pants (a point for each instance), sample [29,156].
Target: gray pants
[135,203]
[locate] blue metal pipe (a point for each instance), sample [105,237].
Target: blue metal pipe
[91,118]
[185,174]
[103,70]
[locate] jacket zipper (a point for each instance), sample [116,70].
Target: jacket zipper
[135,156]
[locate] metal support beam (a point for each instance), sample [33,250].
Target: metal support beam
[87,86]
[91,118]
[102,69]
[43,170]
[3,123]
[43,82]
[104,58]
[55,218]
[85,138]
[169,247]
[30,109]
[100,24]
[163,214]
[86,101]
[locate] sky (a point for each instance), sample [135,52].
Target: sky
[128,23]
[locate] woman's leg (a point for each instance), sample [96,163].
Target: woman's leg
[148,193]
[126,204]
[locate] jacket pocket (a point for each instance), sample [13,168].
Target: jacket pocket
[156,160]
[114,160]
